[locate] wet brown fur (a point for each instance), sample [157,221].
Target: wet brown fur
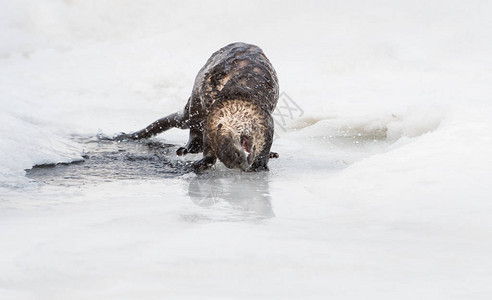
[233,118]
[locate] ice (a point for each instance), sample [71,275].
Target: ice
[382,188]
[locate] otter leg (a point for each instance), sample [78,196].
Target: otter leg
[206,162]
[261,161]
[196,116]
[194,145]
[176,119]
[260,164]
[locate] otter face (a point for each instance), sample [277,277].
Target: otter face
[238,133]
[236,151]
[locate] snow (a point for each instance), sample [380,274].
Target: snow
[382,189]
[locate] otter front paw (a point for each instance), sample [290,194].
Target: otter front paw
[203,164]
[274,155]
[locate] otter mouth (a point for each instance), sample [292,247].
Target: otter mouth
[248,149]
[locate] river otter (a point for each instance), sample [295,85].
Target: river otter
[229,111]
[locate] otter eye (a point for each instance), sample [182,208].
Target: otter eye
[219,126]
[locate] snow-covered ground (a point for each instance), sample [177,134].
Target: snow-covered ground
[383,185]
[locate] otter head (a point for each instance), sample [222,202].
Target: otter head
[234,150]
[237,132]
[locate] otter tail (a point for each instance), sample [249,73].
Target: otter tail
[176,119]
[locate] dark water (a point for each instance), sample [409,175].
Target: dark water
[106,160]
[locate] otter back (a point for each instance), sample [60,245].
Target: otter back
[237,71]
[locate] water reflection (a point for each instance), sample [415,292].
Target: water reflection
[240,195]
